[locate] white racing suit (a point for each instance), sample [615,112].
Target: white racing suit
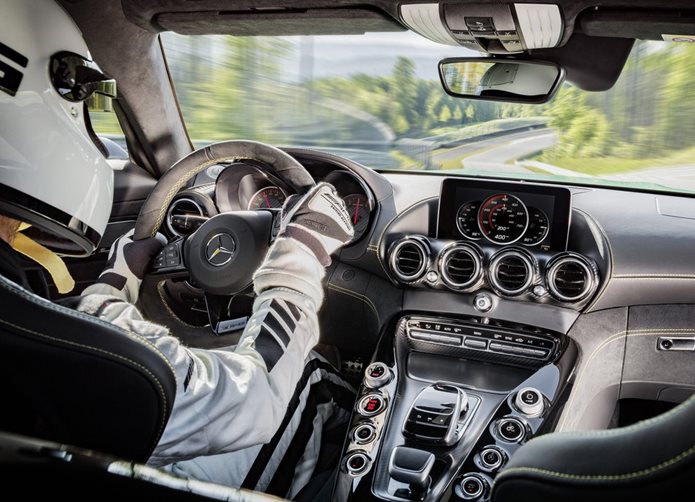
[253,415]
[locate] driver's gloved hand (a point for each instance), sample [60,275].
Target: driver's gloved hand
[313,227]
[319,220]
[127,264]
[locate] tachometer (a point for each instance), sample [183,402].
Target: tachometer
[503,218]
[358,207]
[467,220]
[537,227]
[267,198]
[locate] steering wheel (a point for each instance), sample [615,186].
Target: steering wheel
[221,256]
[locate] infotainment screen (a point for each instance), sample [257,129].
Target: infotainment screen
[504,213]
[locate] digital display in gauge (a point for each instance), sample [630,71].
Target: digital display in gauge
[537,227]
[467,220]
[267,198]
[359,210]
[503,218]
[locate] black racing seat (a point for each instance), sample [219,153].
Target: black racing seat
[71,378]
[652,460]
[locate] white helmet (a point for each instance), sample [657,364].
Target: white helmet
[52,175]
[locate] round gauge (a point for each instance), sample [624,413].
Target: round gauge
[467,220]
[537,227]
[267,198]
[502,219]
[358,207]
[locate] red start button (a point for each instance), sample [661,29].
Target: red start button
[371,404]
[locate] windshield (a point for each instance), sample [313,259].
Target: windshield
[376,98]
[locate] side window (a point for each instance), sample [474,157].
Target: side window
[106,126]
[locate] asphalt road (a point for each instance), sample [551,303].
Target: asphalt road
[498,154]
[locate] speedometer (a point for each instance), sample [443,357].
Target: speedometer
[502,219]
[467,220]
[267,198]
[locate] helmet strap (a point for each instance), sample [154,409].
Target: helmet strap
[51,262]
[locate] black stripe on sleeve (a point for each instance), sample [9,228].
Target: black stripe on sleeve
[274,325]
[13,55]
[283,314]
[269,348]
[296,313]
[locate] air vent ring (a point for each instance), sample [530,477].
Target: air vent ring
[565,274]
[512,272]
[191,207]
[461,266]
[408,259]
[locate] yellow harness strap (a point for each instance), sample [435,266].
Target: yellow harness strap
[53,263]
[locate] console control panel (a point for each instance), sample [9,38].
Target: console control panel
[481,338]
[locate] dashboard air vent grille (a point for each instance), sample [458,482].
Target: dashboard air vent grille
[511,272]
[571,278]
[461,266]
[184,216]
[408,259]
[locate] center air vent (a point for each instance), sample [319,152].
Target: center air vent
[512,272]
[571,278]
[408,259]
[461,266]
[184,216]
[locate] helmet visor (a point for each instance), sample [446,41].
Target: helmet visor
[77,79]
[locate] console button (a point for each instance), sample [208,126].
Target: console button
[377,375]
[364,434]
[491,458]
[511,430]
[529,401]
[475,344]
[371,404]
[357,464]
[471,487]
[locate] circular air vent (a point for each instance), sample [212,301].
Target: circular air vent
[460,266]
[571,278]
[183,216]
[512,272]
[408,259]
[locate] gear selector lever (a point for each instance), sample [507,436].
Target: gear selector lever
[437,414]
[412,467]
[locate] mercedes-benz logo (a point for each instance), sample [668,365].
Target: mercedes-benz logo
[220,250]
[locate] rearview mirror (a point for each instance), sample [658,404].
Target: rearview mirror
[500,80]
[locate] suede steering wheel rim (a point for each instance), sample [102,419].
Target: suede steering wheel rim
[154,210]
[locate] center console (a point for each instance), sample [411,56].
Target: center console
[444,405]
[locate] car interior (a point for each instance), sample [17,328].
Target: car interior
[513,335]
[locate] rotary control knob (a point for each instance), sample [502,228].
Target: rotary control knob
[529,401]
[377,375]
[471,487]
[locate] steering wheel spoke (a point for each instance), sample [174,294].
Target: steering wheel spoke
[226,317]
[170,262]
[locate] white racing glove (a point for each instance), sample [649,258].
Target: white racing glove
[313,226]
[126,267]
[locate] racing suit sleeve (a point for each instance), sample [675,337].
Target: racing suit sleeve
[229,399]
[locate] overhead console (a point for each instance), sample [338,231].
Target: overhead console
[507,238]
[493,28]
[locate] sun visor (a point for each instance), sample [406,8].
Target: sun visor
[493,28]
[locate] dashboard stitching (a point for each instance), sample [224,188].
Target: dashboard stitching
[609,275]
[653,277]
[358,296]
[612,338]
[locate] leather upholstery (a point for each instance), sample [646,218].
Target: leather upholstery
[651,460]
[72,378]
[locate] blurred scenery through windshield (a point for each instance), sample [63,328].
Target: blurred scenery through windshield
[377,99]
